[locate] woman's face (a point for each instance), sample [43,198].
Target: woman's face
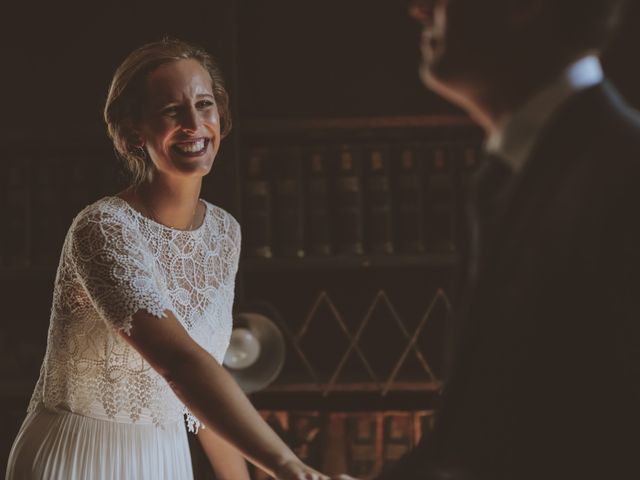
[180,125]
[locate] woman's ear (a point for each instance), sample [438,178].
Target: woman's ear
[134,136]
[137,141]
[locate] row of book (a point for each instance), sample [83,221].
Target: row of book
[360,443]
[354,199]
[317,201]
[40,195]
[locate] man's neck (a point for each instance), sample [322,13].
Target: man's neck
[498,100]
[491,100]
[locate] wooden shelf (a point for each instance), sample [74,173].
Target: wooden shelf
[291,125]
[354,401]
[428,260]
[254,264]
[356,387]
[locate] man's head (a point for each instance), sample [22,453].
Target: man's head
[467,43]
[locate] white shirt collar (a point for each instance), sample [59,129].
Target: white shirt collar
[515,138]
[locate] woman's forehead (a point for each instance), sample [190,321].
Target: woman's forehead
[177,80]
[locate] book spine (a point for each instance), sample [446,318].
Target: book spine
[46,242]
[365,444]
[361,443]
[258,240]
[319,214]
[334,440]
[289,205]
[398,428]
[305,438]
[440,201]
[17,209]
[409,198]
[348,209]
[379,220]
[422,424]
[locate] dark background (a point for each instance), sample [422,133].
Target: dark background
[282,59]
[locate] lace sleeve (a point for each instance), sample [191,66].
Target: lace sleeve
[235,233]
[116,269]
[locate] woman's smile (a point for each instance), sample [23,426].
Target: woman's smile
[181,130]
[191,148]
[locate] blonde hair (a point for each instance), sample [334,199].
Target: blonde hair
[126,97]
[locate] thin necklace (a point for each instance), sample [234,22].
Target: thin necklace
[151,212]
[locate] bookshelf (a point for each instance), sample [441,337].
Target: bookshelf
[311,126]
[292,286]
[299,75]
[337,263]
[353,284]
[325,110]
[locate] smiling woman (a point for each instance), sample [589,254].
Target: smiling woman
[141,316]
[147,84]
[181,118]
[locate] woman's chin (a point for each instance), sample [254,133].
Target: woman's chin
[193,166]
[192,160]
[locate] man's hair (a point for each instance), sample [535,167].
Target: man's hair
[586,24]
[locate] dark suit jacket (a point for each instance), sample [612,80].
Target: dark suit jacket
[545,382]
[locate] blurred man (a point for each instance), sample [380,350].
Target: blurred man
[545,379]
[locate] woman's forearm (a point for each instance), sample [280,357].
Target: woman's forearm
[212,394]
[227,462]
[215,398]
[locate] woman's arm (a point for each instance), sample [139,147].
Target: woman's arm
[227,462]
[212,394]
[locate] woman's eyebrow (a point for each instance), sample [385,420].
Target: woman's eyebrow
[168,104]
[176,102]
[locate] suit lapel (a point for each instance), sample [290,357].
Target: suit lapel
[561,143]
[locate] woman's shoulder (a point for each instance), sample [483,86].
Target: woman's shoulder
[108,219]
[111,209]
[222,217]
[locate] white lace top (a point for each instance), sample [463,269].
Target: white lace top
[114,262]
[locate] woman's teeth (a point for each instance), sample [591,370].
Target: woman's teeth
[191,147]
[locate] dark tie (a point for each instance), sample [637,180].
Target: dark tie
[487,201]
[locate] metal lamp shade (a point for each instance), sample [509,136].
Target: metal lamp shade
[256,354]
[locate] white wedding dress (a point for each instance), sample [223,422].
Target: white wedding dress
[99,411]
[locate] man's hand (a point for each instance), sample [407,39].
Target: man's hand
[343,477]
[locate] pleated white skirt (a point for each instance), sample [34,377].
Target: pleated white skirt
[66,446]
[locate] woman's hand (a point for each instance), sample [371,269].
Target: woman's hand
[296,470]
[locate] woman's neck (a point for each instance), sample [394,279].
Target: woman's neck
[171,203]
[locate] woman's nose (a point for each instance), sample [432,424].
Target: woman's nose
[191,120]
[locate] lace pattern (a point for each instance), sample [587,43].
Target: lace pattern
[115,262]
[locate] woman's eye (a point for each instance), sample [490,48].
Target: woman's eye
[170,111]
[205,104]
